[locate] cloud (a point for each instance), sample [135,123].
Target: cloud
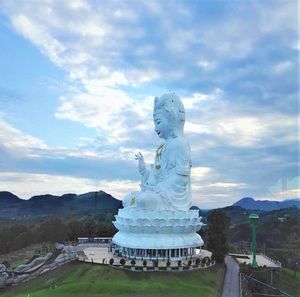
[226,185]
[283,67]
[26,185]
[18,142]
[97,109]
[234,69]
[284,188]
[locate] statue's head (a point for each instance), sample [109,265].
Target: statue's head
[168,115]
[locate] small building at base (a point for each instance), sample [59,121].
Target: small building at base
[159,254]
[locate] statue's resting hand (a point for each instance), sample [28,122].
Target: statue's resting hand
[141,163]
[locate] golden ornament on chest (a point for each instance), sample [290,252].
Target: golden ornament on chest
[133,200]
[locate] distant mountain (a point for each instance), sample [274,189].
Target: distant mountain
[9,198]
[266,205]
[12,207]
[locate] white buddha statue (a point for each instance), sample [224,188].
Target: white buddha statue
[165,185]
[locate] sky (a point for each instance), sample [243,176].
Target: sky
[78,80]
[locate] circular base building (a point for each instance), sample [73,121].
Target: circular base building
[157,234]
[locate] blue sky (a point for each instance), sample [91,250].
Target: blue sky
[78,78]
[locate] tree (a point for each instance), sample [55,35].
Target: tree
[22,240]
[218,224]
[52,230]
[75,230]
[90,228]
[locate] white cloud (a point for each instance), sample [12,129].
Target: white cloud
[91,43]
[284,188]
[110,54]
[24,145]
[197,98]
[283,67]
[240,131]
[99,108]
[213,116]
[206,65]
[219,119]
[200,173]
[26,185]
[39,35]
[119,188]
[195,128]
[283,16]
[18,142]
[226,185]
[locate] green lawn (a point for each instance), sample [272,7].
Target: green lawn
[88,280]
[288,282]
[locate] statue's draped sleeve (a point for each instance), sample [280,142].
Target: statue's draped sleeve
[179,158]
[175,185]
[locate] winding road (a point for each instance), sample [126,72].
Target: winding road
[231,286]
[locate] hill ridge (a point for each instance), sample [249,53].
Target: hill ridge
[266,205]
[11,206]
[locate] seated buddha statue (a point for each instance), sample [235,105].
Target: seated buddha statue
[165,184]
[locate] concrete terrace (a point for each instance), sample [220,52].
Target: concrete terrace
[262,260]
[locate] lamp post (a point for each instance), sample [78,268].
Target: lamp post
[253,219]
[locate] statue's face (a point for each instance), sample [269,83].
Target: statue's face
[162,125]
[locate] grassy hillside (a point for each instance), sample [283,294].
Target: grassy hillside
[281,238]
[84,279]
[287,280]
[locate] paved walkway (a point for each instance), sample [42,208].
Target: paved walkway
[231,282]
[262,260]
[102,255]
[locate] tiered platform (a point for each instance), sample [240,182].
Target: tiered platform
[157,234]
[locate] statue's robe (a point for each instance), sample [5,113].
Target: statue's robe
[166,184]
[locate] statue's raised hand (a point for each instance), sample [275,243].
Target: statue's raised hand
[141,163]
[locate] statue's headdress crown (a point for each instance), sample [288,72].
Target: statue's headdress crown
[172,104]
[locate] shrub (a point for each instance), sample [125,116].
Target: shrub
[155,263]
[111,261]
[145,263]
[198,261]
[122,261]
[179,263]
[189,262]
[132,262]
[168,263]
[206,260]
